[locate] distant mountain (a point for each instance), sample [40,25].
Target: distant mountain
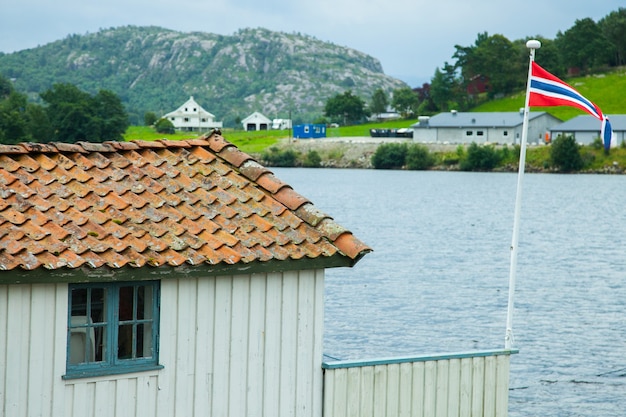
[156,69]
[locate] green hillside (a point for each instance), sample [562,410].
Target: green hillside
[156,69]
[607,91]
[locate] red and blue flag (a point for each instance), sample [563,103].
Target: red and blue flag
[548,90]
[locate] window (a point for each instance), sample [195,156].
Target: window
[186,119]
[112,328]
[505,133]
[469,133]
[479,133]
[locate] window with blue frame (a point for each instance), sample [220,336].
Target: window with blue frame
[112,328]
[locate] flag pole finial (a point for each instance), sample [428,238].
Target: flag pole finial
[533,44]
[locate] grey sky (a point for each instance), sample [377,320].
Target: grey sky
[409,37]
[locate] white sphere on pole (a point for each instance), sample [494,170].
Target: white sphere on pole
[533,44]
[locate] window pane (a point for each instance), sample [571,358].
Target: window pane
[79,302]
[86,340]
[98,307]
[144,340]
[125,342]
[144,302]
[100,334]
[127,296]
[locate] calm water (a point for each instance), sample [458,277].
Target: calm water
[437,281]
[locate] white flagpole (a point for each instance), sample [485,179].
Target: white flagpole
[508,339]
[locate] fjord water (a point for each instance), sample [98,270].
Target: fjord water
[438,279]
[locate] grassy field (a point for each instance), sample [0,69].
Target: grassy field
[607,91]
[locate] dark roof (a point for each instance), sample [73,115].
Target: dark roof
[587,123]
[478,119]
[152,204]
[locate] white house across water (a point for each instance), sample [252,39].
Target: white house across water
[192,117]
[482,127]
[256,121]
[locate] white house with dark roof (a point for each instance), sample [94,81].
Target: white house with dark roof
[482,127]
[256,121]
[585,129]
[191,117]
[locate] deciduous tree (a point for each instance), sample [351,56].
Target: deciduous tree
[584,46]
[77,116]
[346,108]
[405,101]
[379,102]
[613,27]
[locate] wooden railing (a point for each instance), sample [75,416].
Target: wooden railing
[472,384]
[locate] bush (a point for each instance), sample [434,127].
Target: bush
[389,156]
[418,157]
[164,126]
[565,154]
[149,118]
[480,158]
[312,160]
[280,158]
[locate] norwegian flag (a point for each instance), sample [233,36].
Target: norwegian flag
[548,90]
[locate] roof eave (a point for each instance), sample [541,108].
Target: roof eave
[128,273]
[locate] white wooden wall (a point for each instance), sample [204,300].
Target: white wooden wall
[230,346]
[447,386]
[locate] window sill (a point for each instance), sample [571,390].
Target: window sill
[110,374]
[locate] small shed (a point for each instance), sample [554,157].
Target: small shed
[309,131]
[256,121]
[585,128]
[482,127]
[160,279]
[191,117]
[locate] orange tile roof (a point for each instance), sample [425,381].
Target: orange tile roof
[136,204]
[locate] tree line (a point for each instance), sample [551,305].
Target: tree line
[494,66]
[69,115]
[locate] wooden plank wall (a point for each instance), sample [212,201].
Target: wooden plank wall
[246,345]
[460,385]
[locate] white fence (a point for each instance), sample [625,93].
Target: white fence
[456,385]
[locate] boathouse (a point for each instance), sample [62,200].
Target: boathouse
[256,121]
[160,279]
[184,279]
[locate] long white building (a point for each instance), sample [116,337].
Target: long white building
[482,127]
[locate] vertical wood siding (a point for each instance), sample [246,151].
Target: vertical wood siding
[248,345]
[461,385]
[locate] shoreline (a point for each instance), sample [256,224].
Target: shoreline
[356,153]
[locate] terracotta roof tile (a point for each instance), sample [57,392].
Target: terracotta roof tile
[150,204]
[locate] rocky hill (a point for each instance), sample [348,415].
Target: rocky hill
[156,69]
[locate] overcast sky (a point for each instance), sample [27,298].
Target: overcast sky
[410,37]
